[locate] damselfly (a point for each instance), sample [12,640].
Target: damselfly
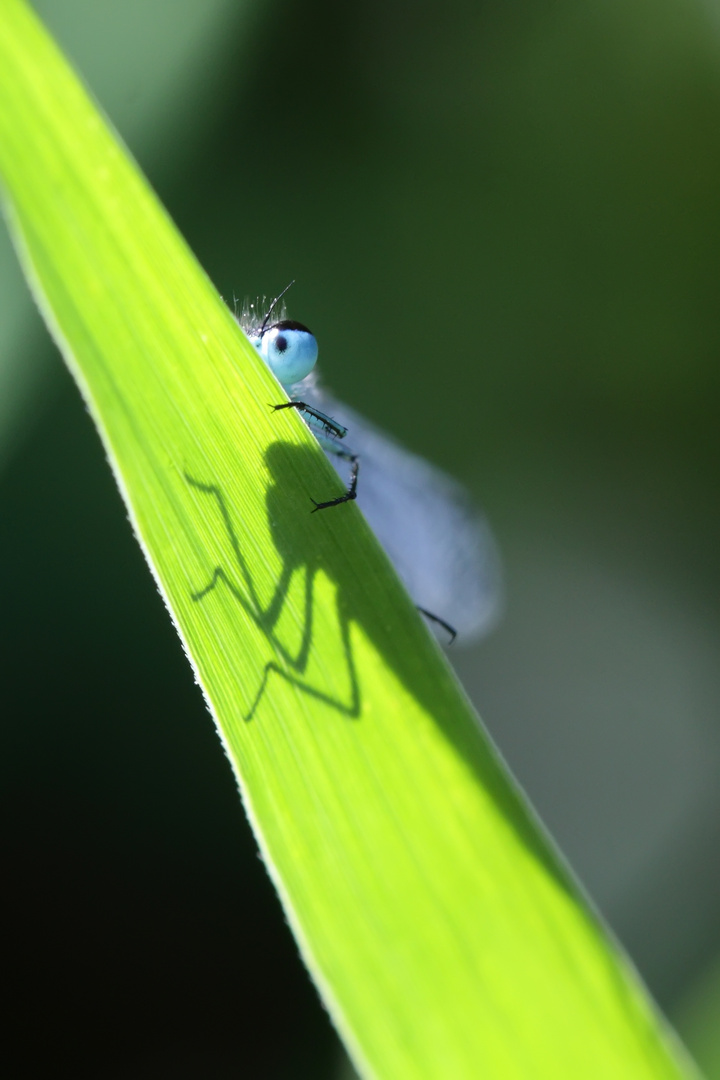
[439,543]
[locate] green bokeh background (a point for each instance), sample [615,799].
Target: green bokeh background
[504,224]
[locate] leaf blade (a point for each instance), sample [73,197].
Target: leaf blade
[447,937]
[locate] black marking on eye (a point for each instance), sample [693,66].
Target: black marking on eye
[280,343]
[289,324]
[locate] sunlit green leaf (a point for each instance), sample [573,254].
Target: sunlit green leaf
[446,937]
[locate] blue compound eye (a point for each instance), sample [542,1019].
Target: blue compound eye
[289,349]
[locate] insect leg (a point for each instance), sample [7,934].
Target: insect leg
[314,418]
[351,492]
[328,433]
[439,622]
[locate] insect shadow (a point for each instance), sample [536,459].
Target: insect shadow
[305,543]
[300,548]
[310,546]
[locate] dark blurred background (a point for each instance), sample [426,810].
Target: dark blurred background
[504,223]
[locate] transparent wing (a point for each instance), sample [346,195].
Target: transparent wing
[439,543]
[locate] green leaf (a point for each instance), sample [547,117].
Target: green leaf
[445,935]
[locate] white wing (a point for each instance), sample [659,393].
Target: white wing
[439,543]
